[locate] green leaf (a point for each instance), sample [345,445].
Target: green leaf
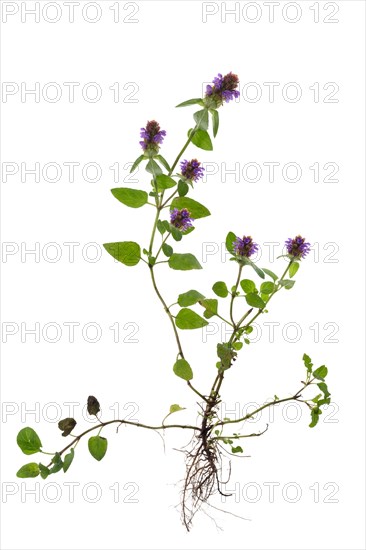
[167,249]
[226,355]
[215,121]
[188,231]
[66,426]
[229,242]
[136,163]
[220,289]
[320,373]
[314,417]
[270,273]
[176,233]
[130,197]
[187,319]
[176,408]
[324,401]
[184,262]
[211,307]
[28,470]
[267,287]
[165,182]
[161,227]
[163,162]
[293,269]
[286,283]
[307,362]
[259,272]
[196,209]
[238,345]
[44,471]
[189,298]
[254,300]
[201,139]
[57,464]
[28,441]
[195,101]
[97,446]
[324,388]
[183,369]
[68,459]
[201,119]
[153,168]
[248,286]
[237,449]
[127,252]
[182,188]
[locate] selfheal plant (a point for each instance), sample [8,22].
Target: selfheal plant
[213,438]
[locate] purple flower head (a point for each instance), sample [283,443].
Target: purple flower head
[297,247]
[152,136]
[224,88]
[245,247]
[181,219]
[191,169]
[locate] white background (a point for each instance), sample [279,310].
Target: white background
[170,53]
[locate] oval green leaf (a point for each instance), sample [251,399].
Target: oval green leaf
[201,119]
[190,298]
[182,188]
[293,269]
[130,197]
[229,242]
[183,369]
[320,373]
[196,209]
[286,283]
[127,252]
[68,459]
[57,464]
[220,289]
[184,262]
[167,249]
[153,168]
[28,441]
[187,319]
[175,408]
[254,300]
[28,470]
[267,287]
[248,286]
[97,446]
[44,471]
[202,140]
[165,182]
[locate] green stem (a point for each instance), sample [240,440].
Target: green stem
[233,295]
[161,246]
